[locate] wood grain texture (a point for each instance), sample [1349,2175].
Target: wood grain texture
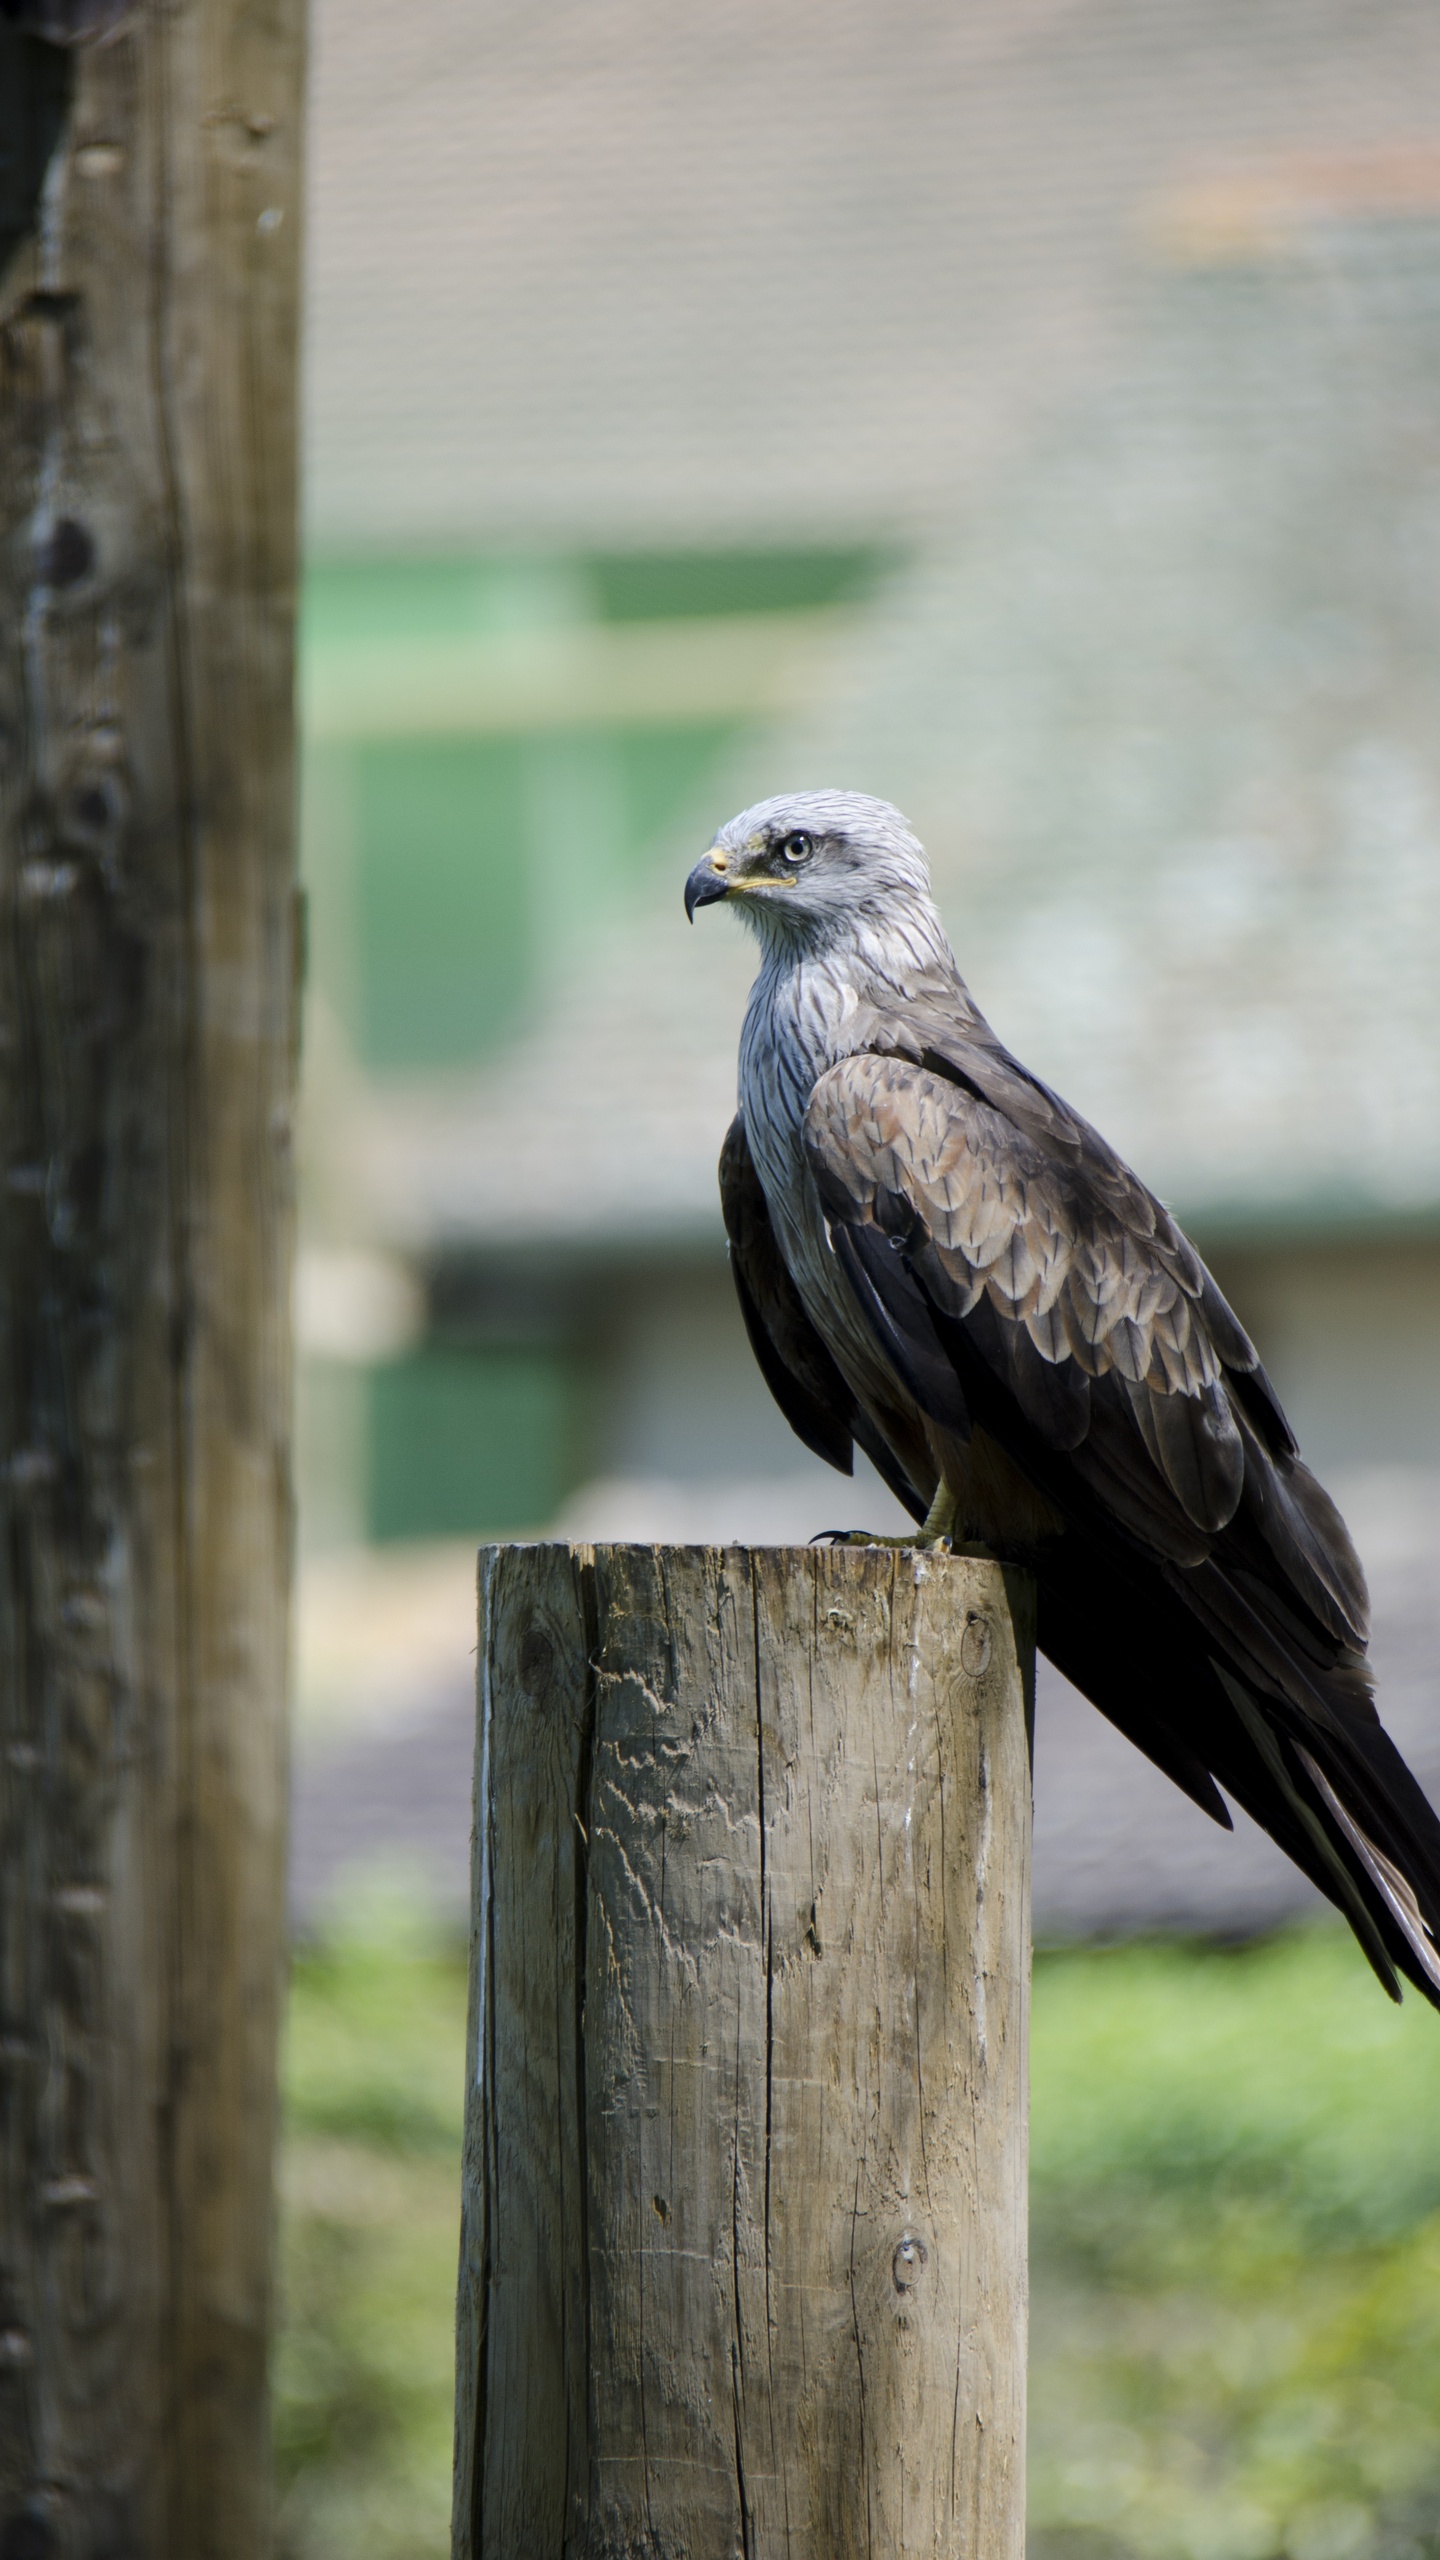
[743,2257]
[148,984]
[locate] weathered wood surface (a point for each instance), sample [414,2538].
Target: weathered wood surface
[743,2262]
[148,981]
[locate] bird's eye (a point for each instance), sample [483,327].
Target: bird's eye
[799,847]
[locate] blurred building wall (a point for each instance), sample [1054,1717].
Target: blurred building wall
[1031,413]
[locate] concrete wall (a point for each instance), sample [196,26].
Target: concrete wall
[1351,1336]
[679,1392]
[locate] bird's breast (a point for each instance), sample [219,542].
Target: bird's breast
[787,1046]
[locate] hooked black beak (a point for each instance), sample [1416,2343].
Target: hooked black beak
[707,883]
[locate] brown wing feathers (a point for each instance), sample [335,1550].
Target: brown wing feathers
[995,1243]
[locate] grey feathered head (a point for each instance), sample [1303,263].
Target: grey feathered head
[811,864]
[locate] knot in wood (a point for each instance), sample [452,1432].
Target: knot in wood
[976,1643]
[909,2262]
[64,553]
[537,1662]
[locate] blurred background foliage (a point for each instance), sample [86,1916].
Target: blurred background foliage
[370,2208]
[1236,2245]
[1235,2199]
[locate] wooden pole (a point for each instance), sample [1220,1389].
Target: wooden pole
[744,2208]
[148,985]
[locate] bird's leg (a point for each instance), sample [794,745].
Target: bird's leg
[938,1526]
[935,1535]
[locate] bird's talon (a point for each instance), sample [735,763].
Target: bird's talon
[923,1542]
[856,1538]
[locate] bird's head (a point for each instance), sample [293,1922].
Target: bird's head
[812,867]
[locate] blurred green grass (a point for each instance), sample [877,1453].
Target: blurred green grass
[369,2226]
[1235,2198]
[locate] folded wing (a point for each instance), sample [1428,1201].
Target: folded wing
[796,1367]
[1206,1594]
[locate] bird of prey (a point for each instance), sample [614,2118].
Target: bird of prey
[936,1257]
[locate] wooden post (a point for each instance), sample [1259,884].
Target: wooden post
[744,2211]
[148,983]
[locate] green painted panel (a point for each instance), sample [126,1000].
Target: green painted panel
[470,854]
[446,871]
[349,600]
[470,1443]
[643,586]
[663,769]
[443,914]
